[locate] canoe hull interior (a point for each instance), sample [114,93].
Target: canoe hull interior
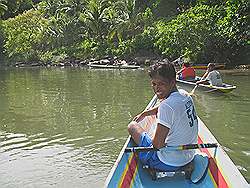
[221,172]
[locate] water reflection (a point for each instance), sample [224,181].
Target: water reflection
[65,127]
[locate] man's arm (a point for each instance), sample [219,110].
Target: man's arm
[160,136]
[142,115]
[152,111]
[180,71]
[203,78]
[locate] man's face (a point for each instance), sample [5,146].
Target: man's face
[161,87]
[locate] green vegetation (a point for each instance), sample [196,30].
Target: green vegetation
[205,31]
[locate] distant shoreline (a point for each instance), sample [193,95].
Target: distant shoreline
[112,61]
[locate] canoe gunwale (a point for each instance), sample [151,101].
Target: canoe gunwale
[129,139]
[223,89]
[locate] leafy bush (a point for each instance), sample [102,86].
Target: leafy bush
[204,30]
[13,7]
[186,34]
[25,36]
[1,42]
[204,33]
[228,44]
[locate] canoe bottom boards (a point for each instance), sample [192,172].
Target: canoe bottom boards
[194,171]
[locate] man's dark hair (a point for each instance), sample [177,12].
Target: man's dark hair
[164,69]
[212,65]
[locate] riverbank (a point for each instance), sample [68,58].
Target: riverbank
[138,61]
[142,61]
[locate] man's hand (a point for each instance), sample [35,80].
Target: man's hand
[140,117]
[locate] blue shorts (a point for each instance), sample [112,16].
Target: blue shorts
[150,158]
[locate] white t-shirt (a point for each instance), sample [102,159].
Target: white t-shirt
[177,112]
[214,78]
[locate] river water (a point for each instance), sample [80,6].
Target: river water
[63,127]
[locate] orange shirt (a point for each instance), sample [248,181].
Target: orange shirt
[188,72]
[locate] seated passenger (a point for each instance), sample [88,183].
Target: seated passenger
[212,76]
[177,123]
[187,72]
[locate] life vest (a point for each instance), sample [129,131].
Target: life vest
[188,73]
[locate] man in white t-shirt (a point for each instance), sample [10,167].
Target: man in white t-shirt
[212,76]
[177,122]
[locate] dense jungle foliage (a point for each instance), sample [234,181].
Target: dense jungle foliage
[204,30]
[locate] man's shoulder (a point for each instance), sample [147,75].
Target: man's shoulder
[214,72]
[176,98]
[211,73]
[217,72]
[183,92]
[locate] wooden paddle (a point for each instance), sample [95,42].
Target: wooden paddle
[172,148]
[192,92]
[202,79]
[211,90]
[178,59]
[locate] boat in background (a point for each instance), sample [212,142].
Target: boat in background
[122,66]
[221,173]
[225,88]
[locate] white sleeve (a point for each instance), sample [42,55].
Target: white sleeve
[209,76]
[165,115]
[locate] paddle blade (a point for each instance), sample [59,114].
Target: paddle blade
[201,163]
[192,92]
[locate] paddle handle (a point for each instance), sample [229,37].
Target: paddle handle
[192,92]
[172,148]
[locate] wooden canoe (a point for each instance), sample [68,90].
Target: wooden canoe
[222,173]
[97,66]
[225,88]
